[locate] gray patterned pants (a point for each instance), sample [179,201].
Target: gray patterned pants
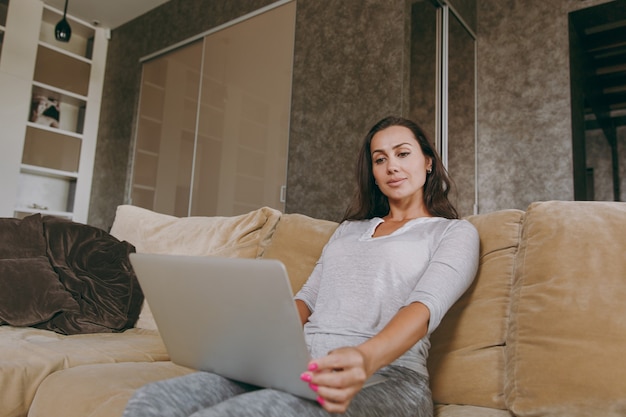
[404,394]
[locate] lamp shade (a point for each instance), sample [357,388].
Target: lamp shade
[63,31]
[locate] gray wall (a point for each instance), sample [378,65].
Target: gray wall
[350,69]
[349,72]
[524,119]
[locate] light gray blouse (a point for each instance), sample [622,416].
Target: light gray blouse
[360,282]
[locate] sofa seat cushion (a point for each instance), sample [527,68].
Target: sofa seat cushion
[298,242]
[567,333]
[100,390]
[466,362]
[243,236]
[452,410]
[28,356]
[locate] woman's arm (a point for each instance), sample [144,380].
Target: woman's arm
[406,328]
[340,375]
[303,311]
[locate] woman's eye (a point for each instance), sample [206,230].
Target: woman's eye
[403,154]
[379,160]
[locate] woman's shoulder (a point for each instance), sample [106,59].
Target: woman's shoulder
[463,229]
[457,227]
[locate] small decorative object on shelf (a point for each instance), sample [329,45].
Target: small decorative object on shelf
[45,111]
[38,206]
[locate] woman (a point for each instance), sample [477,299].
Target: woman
[389,273]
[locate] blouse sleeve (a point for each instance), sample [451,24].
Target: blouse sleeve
[450,272]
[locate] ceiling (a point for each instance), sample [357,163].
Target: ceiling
[602,34]
[106,13]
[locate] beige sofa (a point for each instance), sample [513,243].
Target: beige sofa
[541,332]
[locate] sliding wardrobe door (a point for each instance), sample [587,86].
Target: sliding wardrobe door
[165,137]
[212,133]
[243,125]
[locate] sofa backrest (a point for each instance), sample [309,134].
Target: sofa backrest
[567,333]
[466,362]
[298,242]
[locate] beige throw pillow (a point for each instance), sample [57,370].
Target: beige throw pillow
[243,236]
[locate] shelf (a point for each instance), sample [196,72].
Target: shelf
[45,193]
[48,172]
[62,71]
[59,93]
[21,212]
[50,148]
[65,52]
[54,130]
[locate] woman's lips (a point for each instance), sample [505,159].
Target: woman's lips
[395,182]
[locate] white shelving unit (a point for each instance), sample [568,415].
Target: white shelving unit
[52,112]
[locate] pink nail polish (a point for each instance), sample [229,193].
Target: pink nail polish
[313,366]
[306,377]
[314,387]
[320,400]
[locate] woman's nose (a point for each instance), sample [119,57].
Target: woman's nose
[392,166]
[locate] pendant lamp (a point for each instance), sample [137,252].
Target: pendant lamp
[63,31]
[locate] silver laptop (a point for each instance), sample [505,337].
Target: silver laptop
[231,316]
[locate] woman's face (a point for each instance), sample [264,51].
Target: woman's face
[398,164]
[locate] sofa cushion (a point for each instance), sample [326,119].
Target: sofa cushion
[298,242]
[243,236]
[567,333]
[29,355]
[466,362]
[454,410]
[100,390]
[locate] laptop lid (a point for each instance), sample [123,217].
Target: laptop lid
[231,316]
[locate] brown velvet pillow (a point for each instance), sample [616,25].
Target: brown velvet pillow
[22,238]
[30,290]
[94,268]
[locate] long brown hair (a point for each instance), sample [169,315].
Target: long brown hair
[369,201]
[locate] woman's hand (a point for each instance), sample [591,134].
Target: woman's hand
[337,378]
